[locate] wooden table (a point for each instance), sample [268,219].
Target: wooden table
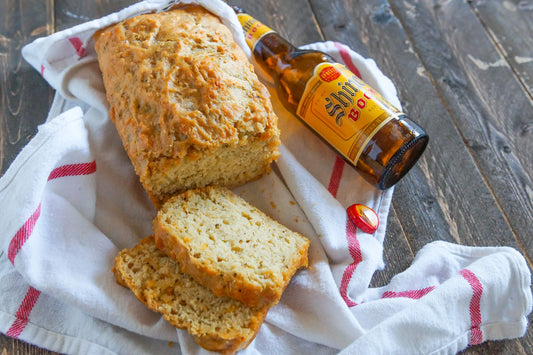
[463,69]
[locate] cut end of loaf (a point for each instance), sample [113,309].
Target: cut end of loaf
[228,165]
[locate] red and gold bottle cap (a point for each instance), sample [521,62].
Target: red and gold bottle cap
[365,218]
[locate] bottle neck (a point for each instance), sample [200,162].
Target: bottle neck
[273,53]
[270,50]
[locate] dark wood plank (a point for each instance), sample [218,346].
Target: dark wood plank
[494,122]
[442,205]
[25,96]
[10,346]
[294,20]
[509,25]
[397,252]
[495,130]
[71,13]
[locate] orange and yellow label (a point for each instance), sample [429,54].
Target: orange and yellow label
[253,29]
[344,110]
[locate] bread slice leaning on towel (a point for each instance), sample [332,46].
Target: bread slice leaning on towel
[217,323]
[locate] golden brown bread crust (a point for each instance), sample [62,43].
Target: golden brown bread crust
[175,235]
[163,288]
[179,89]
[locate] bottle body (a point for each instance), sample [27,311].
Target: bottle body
[381,142]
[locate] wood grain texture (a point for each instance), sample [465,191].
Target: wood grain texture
[494,123]
[431,191]
[71,13]
[397,252]
[25,96]
[294,20]
[509,25]
[10,346]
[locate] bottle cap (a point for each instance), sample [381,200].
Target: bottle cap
[365,218]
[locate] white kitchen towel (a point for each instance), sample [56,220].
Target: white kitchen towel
[71,201]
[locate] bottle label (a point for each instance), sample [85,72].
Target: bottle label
[253,29]
[344,110]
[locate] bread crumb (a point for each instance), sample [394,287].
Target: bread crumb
[266,253]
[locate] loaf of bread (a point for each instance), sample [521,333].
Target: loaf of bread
[217,323]
[186,102]
[229,246]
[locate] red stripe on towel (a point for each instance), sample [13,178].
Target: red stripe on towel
[353,244]
[414,294]
[354,249]
[476,334]
[22,235]
[336,175]
[73,170]
[23,313]
[347,59]
[78,45]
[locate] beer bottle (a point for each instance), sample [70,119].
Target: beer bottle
[372,135]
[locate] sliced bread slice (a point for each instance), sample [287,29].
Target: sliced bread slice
[216,323]
[229,246]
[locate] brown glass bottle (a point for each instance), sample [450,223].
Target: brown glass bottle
[383,150]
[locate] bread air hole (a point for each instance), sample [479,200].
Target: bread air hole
[236,249]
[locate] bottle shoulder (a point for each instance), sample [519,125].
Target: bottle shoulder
[302,63]
[309,57]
